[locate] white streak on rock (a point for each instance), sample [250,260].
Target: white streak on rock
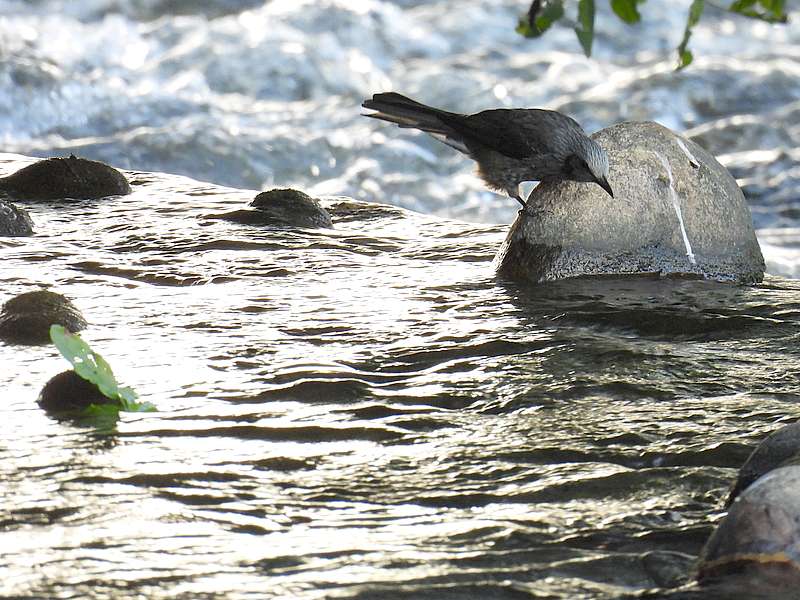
[689,155]
[676,203]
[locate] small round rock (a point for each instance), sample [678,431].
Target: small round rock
[69,392]
[65,178]
[293,208]
[26,319]
[14,221]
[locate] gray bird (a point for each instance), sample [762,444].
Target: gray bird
[509,145]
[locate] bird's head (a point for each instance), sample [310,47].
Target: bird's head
[589,163]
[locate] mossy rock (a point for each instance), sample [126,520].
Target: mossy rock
[65,178]
[26,319]
[69,392]
[293,208]
[280,208]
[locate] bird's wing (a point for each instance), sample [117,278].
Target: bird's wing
[516,133]
[410,114]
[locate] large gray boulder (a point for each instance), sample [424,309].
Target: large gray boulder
[659,179]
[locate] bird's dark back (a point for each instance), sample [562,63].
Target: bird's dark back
[517,132]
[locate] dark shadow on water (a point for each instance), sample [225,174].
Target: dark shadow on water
[662,309]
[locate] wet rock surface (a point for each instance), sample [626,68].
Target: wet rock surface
[14,221]
[759,539]
[574,229]
[68,391]
[293,207]
[65,178]
[26,319]
[668,569]
[754,552]
[778,449]
[281,208]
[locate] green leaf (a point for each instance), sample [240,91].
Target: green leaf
[101,411]
[695,12]
[524,28]
[94,369]
[626,10]
[740,5]
[777,7]
[772,11]
[542,14]
[685,56]
[138,406]
[586,21]
[103,417]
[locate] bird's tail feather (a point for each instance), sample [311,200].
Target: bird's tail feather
[411,114]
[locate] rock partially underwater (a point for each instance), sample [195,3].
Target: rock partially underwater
[68,392]
[64,178]
[281,208]
[755,549]
[780,448]
[26,319]
[676,212]
[14,221]
[758,542]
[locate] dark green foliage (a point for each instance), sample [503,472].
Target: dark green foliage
[627,10]
[543,13]
[685,56]
[92,367]
[773,11]
[586,21]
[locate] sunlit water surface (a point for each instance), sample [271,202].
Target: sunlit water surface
[256,93]
[369,412]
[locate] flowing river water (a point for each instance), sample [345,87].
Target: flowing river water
[369,411]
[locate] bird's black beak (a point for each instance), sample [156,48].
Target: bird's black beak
[603,183]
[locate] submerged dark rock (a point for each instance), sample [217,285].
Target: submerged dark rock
[281,208]
[14,221]
[293,207]
[26,319]
[68,392]
[758,542]
[780,448]
[755,549]
[65,178]
[668,569]
[574,229]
